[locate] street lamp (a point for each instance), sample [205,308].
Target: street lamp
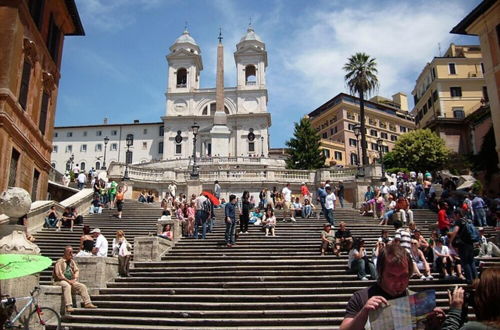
[357,131]
[381,155]
[262,145]
[128,159]
[106,140]
[194,171]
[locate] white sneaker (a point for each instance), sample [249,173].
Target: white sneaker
[430,277]
[364,278]
[293,219]
[423,277]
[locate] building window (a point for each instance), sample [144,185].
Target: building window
[456,91]
[433,73]
[435,96]
[402,129]
[373,133]
[429,102]
[354,159]
[34,187]
[98,133]
[128,157]
[42,122]
[326,152]
[98,147]
[36,12]
[54,149]
[69,134]
[160,147]
[424,109]
[392,127]
[14,161]
[458,113]
[69,148]
[394,138]
[324,135]
[382,124]
[97,165]
[451,68]
[374,146]
[25,84]
[350,127]
[113,147]
[162,130]
[250,75]
[350,116]
[145,131]
[84,133]
[485,94]
[114,132]
[83,148]
[338,155]
[352,142]
[56,134]
[144,145]
[178,148]
[383,135]
[251,146]
[181,78]
[82,166]
[372,121]
[53,39]
[482,67]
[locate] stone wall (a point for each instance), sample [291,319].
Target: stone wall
[150,248]
[95,272]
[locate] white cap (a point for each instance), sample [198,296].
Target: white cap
[95,230]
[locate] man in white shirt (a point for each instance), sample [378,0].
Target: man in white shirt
[287,202]
[82,179]
[330,205]
[171,189]
[101,243]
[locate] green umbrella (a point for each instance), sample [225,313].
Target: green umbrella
[18,265]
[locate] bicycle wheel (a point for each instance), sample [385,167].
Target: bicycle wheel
[47,317]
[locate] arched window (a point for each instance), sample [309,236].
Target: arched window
[97,165]
[182,77]
[82,166]
[250,75]
[212,110]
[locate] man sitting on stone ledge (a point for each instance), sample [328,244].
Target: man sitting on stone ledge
[101,243]
[66,275]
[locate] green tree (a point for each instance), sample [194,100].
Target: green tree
[304,152]
[420,150]
[361,79]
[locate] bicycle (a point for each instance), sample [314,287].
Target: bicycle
[44,316]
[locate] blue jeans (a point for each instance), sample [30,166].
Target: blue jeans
[388,214]
[480,215]
[329,216]
[466,253]
[200,220]
[211,224]
[306,211]
[50,222]
[341,201]
[230,227]
[360,266]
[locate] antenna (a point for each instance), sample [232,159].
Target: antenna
[185,26]
[439,49]
[250,22]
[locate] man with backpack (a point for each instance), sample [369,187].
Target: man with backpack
[462,237]
[203,207]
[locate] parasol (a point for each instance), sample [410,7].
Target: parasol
[212,198]
[18,265]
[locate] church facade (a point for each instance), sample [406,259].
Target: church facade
[238,124]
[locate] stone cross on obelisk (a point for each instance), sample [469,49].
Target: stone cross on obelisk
[220,133]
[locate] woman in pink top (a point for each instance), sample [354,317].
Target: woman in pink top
[190,212]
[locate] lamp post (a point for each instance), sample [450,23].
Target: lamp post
[357,133]
[262,145]
[130,141]
[194,171]
[106,140]
[381,155]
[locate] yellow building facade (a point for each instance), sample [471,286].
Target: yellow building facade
[385,119]
[448,89]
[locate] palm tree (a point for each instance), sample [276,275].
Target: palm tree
[361,78]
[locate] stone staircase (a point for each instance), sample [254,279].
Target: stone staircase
[137,220]
[262,283]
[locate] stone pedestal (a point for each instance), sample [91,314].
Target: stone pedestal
[95,272]
[193,187]
[150,248]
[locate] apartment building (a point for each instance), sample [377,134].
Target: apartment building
[385,119]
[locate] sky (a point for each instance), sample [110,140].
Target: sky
[118,69]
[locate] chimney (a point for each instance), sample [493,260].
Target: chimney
[401,99]
[105,121]
[136,121]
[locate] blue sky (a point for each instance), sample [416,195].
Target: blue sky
[119,71]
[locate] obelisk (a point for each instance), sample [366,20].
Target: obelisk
[220,133]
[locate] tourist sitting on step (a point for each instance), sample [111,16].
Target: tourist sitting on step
[394,268]
[419,263]
[367,205]
[384,237]
[78,217]
[167,232]
[423,245]
[359,263]
[67,220]
[150,198]
[66,275]
[343,239]
[297,208]
[95,205]
[389,210]
[123,250]
[403,207]
[51,218]
[486,249]
[442,259]
[269,222]
[86,243]
[307,208]
[142,197]
[379,207]
[377,250]
[256,216]
[327,239]
[101,243]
